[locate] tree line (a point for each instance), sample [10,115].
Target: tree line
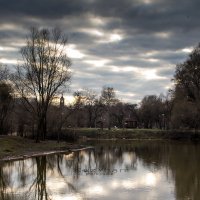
[29,96]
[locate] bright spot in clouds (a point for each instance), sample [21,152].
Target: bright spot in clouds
[115,38]
[73,52]
[151,74]
[153,60]
[163,35]
[97,63]
[187,50]
[97,20]
[94,32]
[147,1]
[8,61]
[128,69]
[151,53]
[10,27]
[110,38]
[8,49]
[97,33]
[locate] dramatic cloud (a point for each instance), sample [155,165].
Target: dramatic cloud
[132,45]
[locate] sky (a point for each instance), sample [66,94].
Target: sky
[130,45]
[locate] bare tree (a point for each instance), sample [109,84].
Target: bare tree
[4,73]
[88,98]
[90,102]
[43,74]
[6,99]
[108,98]
[6,105]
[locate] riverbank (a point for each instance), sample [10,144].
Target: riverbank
[15,148]
[138,134]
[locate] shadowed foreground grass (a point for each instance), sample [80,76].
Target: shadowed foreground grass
[11,146]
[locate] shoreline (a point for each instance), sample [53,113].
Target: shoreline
[34,154]
[17,148]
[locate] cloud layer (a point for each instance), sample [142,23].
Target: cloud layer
[132,45]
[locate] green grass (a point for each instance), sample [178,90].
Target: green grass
[116,133]
[95,133]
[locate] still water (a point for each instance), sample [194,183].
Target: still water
[147,170]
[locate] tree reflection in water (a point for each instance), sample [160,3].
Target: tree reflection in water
[4,183]
[57,176]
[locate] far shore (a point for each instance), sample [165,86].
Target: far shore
[17,148]
[117,133]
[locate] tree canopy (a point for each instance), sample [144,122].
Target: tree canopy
[43,74]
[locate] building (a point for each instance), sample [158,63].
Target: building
[62,102]
[131,122]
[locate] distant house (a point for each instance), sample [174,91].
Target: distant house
[131,122]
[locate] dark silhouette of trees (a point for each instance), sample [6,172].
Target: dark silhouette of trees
[78,109]
[187,82]
[168,105]
[6,105]
[187,76]
[122,112]
[43,74]
[108,98]
[151,112]
[88,108]
[119,114]
[6,99]
[90,99]
[4,73]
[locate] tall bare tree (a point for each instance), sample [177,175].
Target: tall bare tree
[6,99]
[4,73]
[108,98]
[44,73]
[88,98]
[6,105]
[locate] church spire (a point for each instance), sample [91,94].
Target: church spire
[62,101]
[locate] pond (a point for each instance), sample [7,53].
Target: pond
[145,170]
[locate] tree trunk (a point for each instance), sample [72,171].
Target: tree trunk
[109,125]
[44,128]
[90,124]
[41,128]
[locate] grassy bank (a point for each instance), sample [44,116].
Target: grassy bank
[13,146]
[93,133]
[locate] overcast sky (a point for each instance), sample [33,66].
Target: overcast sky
[131,45]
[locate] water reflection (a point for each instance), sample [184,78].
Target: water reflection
[125,170]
